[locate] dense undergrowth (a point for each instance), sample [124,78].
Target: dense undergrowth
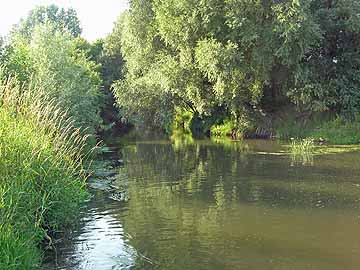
[41,173]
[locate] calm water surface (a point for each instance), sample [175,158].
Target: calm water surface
[205,205]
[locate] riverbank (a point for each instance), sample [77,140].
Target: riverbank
[41,171]
[285,126]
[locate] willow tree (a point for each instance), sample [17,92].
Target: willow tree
[247,57]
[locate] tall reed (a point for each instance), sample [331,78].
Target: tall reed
[42,176]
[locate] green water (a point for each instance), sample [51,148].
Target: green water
[206,205]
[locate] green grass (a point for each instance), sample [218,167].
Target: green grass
[334,131]
[302,150]
[42,181]
[338,131]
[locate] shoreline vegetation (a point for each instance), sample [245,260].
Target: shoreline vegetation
[286,70]
[281,69]
[41,170]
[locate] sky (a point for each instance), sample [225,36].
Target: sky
[97,17]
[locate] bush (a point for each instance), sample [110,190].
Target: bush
[224,130]
[241,128]
[182,120]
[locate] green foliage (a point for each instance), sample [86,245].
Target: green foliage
[42,178]
[245,56]
[302,151]
[112,60]
[208,54]
[290,127]
[323,128]
[53,61]
[233,128]
[182,120]
[328,77]
[227,129]
[64,20]
[17,252]
[304,146]
[17,60]
[338,131]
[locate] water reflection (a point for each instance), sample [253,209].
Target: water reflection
[214,205]
[99,243]
[210,206]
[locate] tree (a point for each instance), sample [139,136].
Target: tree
[208,54]
[328,78]
[112,58]
[248,58]
[106,53]
[15,57]
[64,20]
[53,61]
[66,72]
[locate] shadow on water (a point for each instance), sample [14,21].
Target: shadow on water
[186,204]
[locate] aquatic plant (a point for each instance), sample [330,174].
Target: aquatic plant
[301,147]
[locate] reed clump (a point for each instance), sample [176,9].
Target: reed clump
[42,176]
[304,146]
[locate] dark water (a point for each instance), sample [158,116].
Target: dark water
[209,206]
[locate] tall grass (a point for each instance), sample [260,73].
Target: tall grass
[302,151]
[304,146]
[42,180]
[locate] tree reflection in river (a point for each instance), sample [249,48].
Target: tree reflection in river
[209,206]
[220,205]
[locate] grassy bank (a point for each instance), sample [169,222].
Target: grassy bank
[41,174]
[335,131]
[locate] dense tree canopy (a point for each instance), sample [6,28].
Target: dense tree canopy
[246,57]
[64,20]
[329,77]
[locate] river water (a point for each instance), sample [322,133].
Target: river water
[206,205]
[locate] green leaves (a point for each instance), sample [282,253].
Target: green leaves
[244,56]
[64,20]
[51,60]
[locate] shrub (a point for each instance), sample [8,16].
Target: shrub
[224,130]
[182,120]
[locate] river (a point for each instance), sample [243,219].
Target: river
[206,205]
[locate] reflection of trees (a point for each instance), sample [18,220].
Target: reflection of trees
[203,205]
[211,171]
